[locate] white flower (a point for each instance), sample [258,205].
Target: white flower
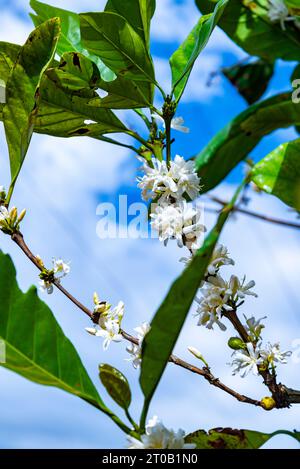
[135,350]
[246,361]
[215,295]
[2,190]
[187,180]
[163,182]
[177,123]
[254,326]
[157,436]
[178,221]
[60,268]
[273,354]
[219,258]
[46,287]
[279,13]
[110,332]
[239,288]
[109,321]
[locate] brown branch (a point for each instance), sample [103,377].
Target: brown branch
[250,213]
[19,240]
[205,372]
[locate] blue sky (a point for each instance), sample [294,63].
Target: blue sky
[62,183]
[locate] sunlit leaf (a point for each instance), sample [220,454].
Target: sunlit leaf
[110,37]
[279,173]
[182,61]
[70,38]
[19,111]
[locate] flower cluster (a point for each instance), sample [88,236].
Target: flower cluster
[169,186]
[157,436]
[278,12]
[166,184]
[59,270]
[108,321]
[254,358]
[220,296]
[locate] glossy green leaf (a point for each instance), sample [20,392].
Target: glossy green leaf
[70,38]
[138,13]
[126,94]
[36,347]
[75,74]
[235,141]
[182,61]
[116,385]
[247,24]
[229,438]
[19,111]
[251,80]
[109,36]
[169,318]
[279,173]
[79,111]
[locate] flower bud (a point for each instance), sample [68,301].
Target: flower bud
[96,298]
[198,355]
[235,343]
[268,403]
[91,330]
[13,214]
[22,215]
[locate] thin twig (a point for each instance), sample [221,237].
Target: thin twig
[205,372]
[250,213]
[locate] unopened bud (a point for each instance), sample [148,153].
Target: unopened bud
[13,214]
[268,403]
[22,215]
[96,298]
[91,330]
[236,343]
[40,261]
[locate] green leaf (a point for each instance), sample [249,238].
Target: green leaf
[126,94]
[116,385]
[109,36]
[235,141]
[251,80]
[229,438]
[65,112]
[19,111]
[247,24]
[36,347]
[70,38]
[75,74]
[138,13]
[182,61]
[169,319]
[279,173]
